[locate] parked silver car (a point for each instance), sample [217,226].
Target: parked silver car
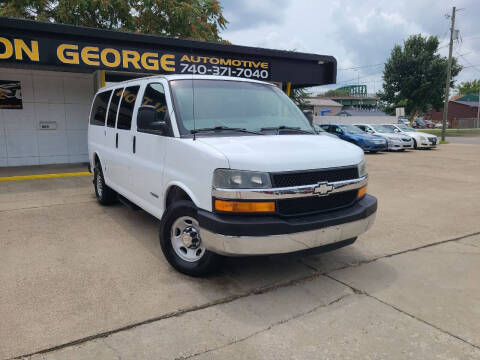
[395,142]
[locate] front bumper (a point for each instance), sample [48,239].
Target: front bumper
[397,145]
[374,146]
[235,235]
[430,142]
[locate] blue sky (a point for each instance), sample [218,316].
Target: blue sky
[357,33]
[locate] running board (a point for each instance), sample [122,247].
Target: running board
[127,203]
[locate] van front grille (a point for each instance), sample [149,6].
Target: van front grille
[315,204]
[310,177]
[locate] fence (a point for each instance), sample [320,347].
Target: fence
[467,123]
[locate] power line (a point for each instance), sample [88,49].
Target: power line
[468,61]
[361,67]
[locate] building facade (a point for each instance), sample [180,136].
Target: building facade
[50,72]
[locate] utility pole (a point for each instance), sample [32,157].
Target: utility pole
[478,109]
[449,75]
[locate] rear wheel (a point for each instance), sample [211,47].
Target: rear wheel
[105,194]
[181,241]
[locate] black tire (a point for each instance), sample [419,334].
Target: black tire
[414,144]
[206,264]
[105,194]
[373,151]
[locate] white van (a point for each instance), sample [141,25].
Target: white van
[230,166]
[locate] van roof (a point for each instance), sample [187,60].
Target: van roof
[184,77]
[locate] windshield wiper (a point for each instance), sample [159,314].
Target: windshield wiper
[283,127]
[225,128]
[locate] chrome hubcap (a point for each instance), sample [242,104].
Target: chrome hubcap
[186,241]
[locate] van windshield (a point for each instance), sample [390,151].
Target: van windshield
[209,104]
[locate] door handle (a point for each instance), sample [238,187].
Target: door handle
[134,143]
[116,140]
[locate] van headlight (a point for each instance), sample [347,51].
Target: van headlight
[240,179]
[362,168]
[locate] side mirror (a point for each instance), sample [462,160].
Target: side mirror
[396,130]
[309,115]
[148,120]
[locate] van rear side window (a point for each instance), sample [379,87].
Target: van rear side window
[112,110]
[99,108]
[126,107]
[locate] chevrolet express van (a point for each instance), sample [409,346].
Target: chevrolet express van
[230,167]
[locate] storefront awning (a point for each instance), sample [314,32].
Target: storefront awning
[47,46]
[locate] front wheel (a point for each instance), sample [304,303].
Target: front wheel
[414,144]
[105,194]
[181,241]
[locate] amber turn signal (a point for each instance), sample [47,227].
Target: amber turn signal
[361,192]
[245,206]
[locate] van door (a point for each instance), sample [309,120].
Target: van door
[124,141]
[111,138]
[96,129]
[151,148]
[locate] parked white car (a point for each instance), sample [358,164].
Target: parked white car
[230,166]
[421,140]
[396,142]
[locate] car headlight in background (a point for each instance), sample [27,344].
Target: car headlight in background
[362,168]
[240,179]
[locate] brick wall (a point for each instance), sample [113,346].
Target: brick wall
[455,111]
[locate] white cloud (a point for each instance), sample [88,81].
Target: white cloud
[356,33]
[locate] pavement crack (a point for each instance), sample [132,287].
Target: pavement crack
[443,331]
[268,328]
[178,313]
[363,262]
[256,291]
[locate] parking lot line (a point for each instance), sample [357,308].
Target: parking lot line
[44,176]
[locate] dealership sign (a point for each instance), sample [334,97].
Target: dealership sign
[100,56]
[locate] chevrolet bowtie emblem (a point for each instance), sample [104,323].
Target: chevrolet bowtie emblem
[323,189]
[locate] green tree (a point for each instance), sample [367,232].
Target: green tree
[414,76]
[300,96]
[192,19]
[469,87]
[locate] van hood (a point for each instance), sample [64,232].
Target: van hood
[285,152]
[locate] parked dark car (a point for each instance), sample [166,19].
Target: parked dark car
[429,124]
[353,134]
[419,124]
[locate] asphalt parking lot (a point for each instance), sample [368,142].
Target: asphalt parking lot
[82,281]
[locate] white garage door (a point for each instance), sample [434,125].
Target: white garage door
[60,99]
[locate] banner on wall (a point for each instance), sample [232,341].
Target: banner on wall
[92,55]
[10,94]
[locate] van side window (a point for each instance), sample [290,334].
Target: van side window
[155,96]
[125,112]
[112,110]
[99,108]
